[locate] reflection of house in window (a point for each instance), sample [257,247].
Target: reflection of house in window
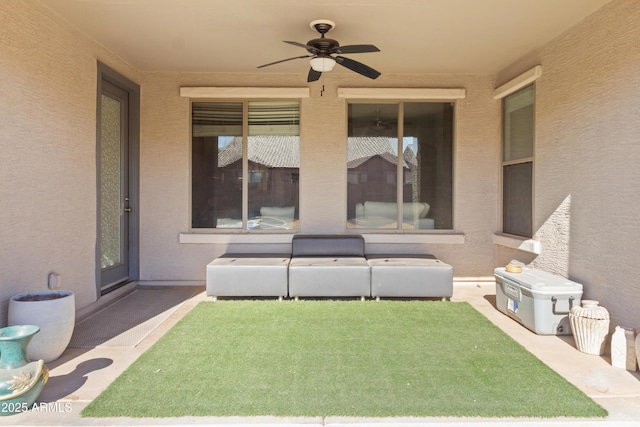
[412,164]
[273,169]
[238,180]
[371,164]
[255,177]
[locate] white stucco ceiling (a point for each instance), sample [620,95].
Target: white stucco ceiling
[414,36]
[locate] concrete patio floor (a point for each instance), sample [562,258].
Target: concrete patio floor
[80,374]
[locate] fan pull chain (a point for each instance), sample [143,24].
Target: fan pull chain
[322,77]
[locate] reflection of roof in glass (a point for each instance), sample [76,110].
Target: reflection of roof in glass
[368,146]
[274,151]
[361,149]
[278,151]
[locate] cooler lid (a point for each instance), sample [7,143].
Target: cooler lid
[533,278]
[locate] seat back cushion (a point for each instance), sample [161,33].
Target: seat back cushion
[326,245]
[278,212]
[410,210]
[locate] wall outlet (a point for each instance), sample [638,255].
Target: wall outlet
[54,281]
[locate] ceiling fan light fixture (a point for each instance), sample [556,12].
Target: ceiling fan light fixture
[321,48]
[322,64]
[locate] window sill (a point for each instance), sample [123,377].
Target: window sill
[517,242]
[406,238]
[285,238]
[235,238]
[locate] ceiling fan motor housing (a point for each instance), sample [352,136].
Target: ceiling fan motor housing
[323,46]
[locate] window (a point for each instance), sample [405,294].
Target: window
[400,166]
[517,162]
[245,165]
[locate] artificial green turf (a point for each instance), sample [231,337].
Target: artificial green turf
[322,358]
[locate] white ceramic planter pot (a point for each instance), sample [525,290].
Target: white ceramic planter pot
[590,327]
[53,312]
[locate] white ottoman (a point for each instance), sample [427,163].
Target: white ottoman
[248,275]
[410,276]
[329,277]
[329,265]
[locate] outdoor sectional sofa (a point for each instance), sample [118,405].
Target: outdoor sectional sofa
[329,266]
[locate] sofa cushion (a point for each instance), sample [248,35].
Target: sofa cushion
[380,209]
[400,275]
[315,276]
[415,210]
[303,245]
[248,274]
[279,212]
[410,210]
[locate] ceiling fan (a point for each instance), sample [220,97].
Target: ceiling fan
[322,50]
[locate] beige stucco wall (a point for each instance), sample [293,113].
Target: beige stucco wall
[587,158]
[47,152]
[165,182]
[47,175]
[587,151]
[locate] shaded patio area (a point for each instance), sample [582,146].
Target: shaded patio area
[81,373]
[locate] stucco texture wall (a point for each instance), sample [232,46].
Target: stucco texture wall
[165,175]
[48,152]
[587,157]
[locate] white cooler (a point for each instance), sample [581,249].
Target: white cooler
[539,300]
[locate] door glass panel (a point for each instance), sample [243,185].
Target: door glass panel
[518,125]
[402,182]
[110,182]
[427,166]
[372,158]
[273,165]
[216,162]
[517,203]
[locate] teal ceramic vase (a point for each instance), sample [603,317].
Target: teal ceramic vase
[13,345]
[21,381]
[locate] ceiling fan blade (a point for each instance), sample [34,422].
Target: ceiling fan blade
[355,48]
[313,75]
[304,46]
[358,67]
[284,60]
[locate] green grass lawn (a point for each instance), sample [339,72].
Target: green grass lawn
[322,358]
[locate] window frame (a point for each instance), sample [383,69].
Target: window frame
[520,161]
[445,96]
[244,229]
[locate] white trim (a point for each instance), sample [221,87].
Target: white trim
[520,243]
[398,238]
[402,93]
[519,82]
[211,92]
[264,238]
[235,238]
